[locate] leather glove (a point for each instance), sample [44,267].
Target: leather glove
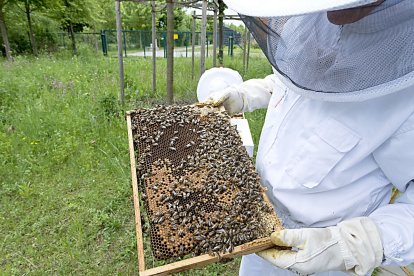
[245,97]
[353,246]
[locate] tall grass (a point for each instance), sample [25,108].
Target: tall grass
[65,196]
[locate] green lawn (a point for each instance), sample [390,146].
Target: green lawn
[65,193]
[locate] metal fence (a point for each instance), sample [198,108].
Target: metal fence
[139,42]
[92,40]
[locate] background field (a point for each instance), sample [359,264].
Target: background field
[65,192]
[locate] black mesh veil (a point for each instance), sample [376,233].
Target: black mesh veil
[262,31]
[318,56]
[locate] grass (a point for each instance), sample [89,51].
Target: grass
[65,195]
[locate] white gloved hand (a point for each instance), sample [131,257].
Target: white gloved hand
[230,98]
[353,246]
[245,97]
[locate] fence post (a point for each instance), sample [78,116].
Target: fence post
[207,46]
[215,37]
[186,45]
[125,45]
[154,48]
[244,49]
[231,42]
[203,37]
[193,39]
[248,50]
[170,51]
[165,44]
[103,41]
[120,58]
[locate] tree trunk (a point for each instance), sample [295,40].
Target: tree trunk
[203,37]
[170,51]
[31,33]
[222,7]
[154,48]
[72,37]
[4,35]
[120,57]
[215,37]
[193,41]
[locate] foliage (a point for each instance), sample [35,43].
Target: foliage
[49,18]
[179,15]
[65,194]
[136,16]
[82,13]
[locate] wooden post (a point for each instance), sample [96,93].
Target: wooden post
[248,49]
[170,51]
[203,37]
[193,40]
[120,57]
[154,49]
[221,32]
[244,49]
[215,37]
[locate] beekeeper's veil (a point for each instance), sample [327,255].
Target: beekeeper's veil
[371,57]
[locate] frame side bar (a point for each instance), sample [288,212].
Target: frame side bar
[138,226]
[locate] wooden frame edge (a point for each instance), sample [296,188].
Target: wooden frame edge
[138,226]
[203,260]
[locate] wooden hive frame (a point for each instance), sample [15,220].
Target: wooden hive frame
[183,265]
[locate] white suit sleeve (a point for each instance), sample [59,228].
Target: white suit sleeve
[396,221]
[256,93]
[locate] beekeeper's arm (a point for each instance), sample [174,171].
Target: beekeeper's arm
[245,97]
[396,221]
[360,244]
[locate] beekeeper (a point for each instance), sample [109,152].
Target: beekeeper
[338,134]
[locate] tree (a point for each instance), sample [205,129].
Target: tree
[3,29]
[30,6]
[74,15]
[222,7]
[136,16]
[179,15]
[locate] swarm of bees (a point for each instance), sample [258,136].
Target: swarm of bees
[199,187]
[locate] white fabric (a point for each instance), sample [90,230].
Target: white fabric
[353,246]
[247,96]
[253,265]
[264,8]
[325,162]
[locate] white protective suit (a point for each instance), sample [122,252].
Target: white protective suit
[343,162]
[324,162]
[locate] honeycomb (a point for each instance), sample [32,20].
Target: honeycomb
[199,187]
